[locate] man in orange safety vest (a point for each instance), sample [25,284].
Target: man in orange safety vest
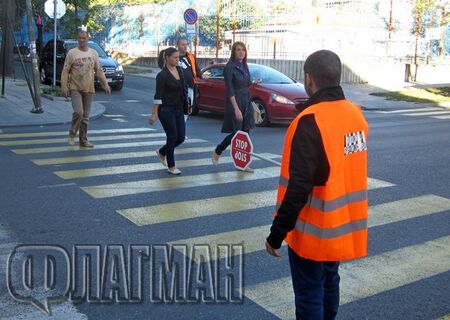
[322,206]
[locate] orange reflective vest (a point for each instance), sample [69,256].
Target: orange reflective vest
[332,226]
[193,63]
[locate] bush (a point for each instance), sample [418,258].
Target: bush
[52,90]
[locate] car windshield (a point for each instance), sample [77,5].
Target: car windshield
[100,51]
[268,75]
[92,45]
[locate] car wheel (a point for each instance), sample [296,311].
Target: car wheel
[118,87]
[43,76]
[264,114]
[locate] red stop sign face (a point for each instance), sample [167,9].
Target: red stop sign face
[241,150]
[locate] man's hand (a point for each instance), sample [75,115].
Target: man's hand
[107,89]
[65,92]
[272,251]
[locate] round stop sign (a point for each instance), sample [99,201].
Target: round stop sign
[241,150]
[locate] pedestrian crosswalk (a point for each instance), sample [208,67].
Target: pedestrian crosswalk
[432,112]
[130,151]
[364,278]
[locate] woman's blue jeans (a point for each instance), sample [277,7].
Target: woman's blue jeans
[172,120]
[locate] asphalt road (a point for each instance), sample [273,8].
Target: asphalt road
[119,194]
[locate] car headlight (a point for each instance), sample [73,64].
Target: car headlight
[119,68]
[281,99]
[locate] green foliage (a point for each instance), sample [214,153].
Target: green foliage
[208,26]
[52,90]
[433,95]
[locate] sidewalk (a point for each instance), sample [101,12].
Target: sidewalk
[16,105]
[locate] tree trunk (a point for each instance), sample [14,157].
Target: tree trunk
[418,26]
[443,28]
[8,21]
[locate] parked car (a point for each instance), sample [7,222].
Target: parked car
[278,97]
[112,69]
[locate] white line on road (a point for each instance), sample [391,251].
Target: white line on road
[442,117]
[113,115]
[412,110]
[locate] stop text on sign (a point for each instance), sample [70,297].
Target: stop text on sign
[241,150]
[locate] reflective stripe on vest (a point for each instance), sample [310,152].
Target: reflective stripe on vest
[332,226]
[329,233]
[327,206]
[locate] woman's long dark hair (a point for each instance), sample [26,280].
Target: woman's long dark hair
[163,54]
[233,53]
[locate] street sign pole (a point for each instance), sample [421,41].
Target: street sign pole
[54,42]
[242,151]
[34,61]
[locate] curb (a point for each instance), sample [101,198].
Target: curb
[95,116]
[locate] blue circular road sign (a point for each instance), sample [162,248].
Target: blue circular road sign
[190,16]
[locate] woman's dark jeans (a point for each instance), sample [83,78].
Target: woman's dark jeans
[172,120]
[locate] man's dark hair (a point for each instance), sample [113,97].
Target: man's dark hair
[181,39]
[324,67]
[83,31]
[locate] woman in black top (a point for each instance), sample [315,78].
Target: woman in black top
[238,109]
[169,105]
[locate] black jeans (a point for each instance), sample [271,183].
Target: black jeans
[172,120]
[226,142]
[316,287]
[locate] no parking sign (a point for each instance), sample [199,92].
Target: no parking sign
[190,16]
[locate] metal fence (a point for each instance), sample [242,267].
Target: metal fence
[273,29]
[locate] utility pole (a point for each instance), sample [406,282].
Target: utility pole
[4,42]
[34,63]
[217,27]
[390,29]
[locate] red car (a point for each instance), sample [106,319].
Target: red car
[279,97]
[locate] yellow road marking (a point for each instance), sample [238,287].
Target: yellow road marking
[97,147]
[114,156]
[209,179]
[65,133]
[199,208]
[94,138]
[103,171]
[211,206]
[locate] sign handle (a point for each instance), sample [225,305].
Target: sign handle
[266,159]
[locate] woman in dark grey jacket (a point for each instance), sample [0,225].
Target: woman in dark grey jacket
[238,108]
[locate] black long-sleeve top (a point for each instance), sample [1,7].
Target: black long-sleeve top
[308,167]
[169,90]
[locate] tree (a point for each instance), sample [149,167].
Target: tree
[444,9]
[208,26]
[421,7]
[8,23]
